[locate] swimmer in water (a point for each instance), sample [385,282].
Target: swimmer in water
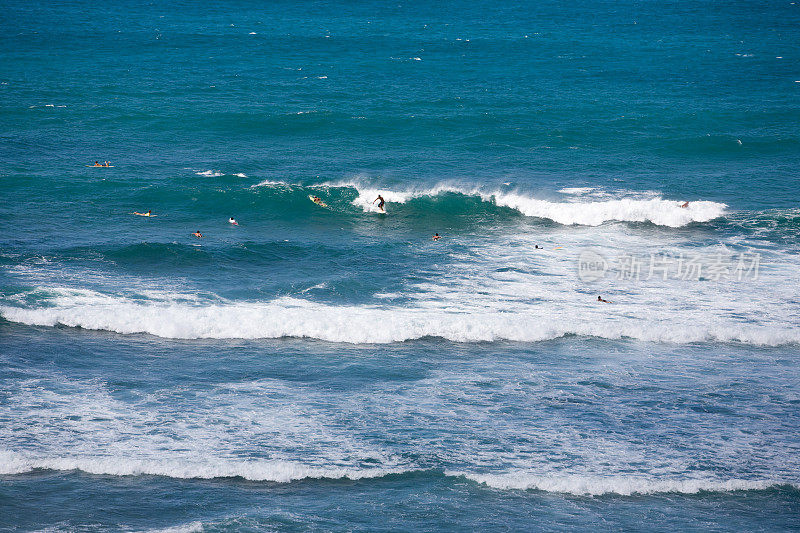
[148,214]
[436,237]
[233,221]
[198,234]
[382,201]
[600,299]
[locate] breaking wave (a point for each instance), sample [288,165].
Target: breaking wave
[292,317]
[575,210]
[588,485]
[12,463]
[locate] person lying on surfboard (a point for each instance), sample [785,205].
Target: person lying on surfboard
[600,299]
[436,237]
[148,214]
[380,205]
[233,221]
[317,200]
[198,234]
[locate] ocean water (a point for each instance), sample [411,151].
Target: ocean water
[335,368]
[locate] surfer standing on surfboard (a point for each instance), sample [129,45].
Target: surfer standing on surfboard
[380,205]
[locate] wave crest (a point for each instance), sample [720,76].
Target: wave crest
[12,463]
[253,470]
[578,211]
[580,485]
[291,317]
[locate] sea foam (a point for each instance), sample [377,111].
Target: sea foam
[589,211]
[209,173]
[293,317]
[12,463]
[596,485]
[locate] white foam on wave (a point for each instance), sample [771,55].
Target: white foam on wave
[578,191]
[209,173]
[12,463]
[601,209]
[181,318]
[655,210]
[191,527]
[272,183]
[581,485]
[368,194]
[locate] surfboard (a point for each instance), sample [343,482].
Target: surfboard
[318,201]
[99,166]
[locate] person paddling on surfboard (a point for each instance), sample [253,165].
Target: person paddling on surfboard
[436,237]
[198,234]
[381,202]
[233,221]
[148,214]
[600,299]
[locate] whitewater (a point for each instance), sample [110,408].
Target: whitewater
[602,336]
[515,282]
[627,207]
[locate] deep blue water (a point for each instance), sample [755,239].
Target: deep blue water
[334,368]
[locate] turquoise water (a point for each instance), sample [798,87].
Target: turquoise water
[334,368]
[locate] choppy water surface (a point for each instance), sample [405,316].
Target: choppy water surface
[334,367]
